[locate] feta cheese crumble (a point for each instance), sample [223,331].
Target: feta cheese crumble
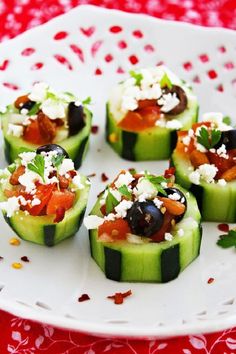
[15,130]
[124,179]
[168,236]
[205,172]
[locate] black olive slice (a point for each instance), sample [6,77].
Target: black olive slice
[27,105]
[228,138]
[144,218]
[181,95]
[76,118]
[52,147]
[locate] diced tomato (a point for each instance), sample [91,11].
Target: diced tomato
[117,229]
[43,193]
[159,236]
[146,103]
[141,119]
[221,163]
[32,133]
[59,199]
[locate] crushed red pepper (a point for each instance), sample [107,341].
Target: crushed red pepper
[169,172]
[25,259]
[83,297]
[223,227]
[94,129]
[104,177]
[91,175]
[119,297]
[210,280]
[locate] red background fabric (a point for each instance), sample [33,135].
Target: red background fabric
[25,337]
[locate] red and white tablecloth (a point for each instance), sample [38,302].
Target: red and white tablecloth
[25,337]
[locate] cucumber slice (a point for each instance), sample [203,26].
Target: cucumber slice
[76,145]
[41,229]
[216,203]
[150,262]
[158,142]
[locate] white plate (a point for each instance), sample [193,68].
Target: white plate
[47,288]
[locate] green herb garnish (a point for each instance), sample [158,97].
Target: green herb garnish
[87,100]
[12,167]
[57,160]
[156,181]
[227,120]
[137,76]
[37,165]
[165,82]
[208,139]
[111,202]
[125,192]
[227,240]
[34,110]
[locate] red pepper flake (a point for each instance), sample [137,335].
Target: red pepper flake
[119,297]
[104,177]
[169,172]
[210,280]
[83,297]
[91,175]
[25,259]
[94,129]
[223,227]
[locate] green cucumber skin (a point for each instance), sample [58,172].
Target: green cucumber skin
[158,142]
[42,230]
[76,145]
[216,203]
[152,262]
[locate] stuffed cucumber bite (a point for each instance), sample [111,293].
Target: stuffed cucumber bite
[145,111]
[43,198]
[45,116]
[205,163]
[144,228]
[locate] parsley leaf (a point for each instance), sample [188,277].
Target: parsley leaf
[124,191]
[156,181]
[57,160]
[87,100]
[228,240]
[111,202]
[34,110]
[37,165]
[208,139]
[227,120]
[137,76]
[165,81]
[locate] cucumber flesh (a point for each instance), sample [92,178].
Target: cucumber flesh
[150,262]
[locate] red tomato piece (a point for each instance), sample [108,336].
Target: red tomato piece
[60,199]
[159,236]
[117,229]
[32,133]
[141,119]
[44,192]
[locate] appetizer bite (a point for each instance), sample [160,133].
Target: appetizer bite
[205,163]
[44,116]
[144,228]
[145,111]
[43,198]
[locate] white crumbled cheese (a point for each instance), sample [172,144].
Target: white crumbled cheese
[78,103]
[110,217]
[129,103]
[160,122]
[174,196]
[201,148]
[144,190]
[66,165]
[205,172]
[15,130]
[138,240]
[212,150]
[77,181]
[24,111]
[35,201]
[186,140]
[173,124]
[168,102]
[39,92]
[122,207]
[158,203]
[124,179]
[168,236]
[222,182]
[194,177]
[92,222]
[27,157]
[222,152]
[191,133]
[54,109]
[28,180]
[180,232]
[3,109]
[10,206]
[217,118]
